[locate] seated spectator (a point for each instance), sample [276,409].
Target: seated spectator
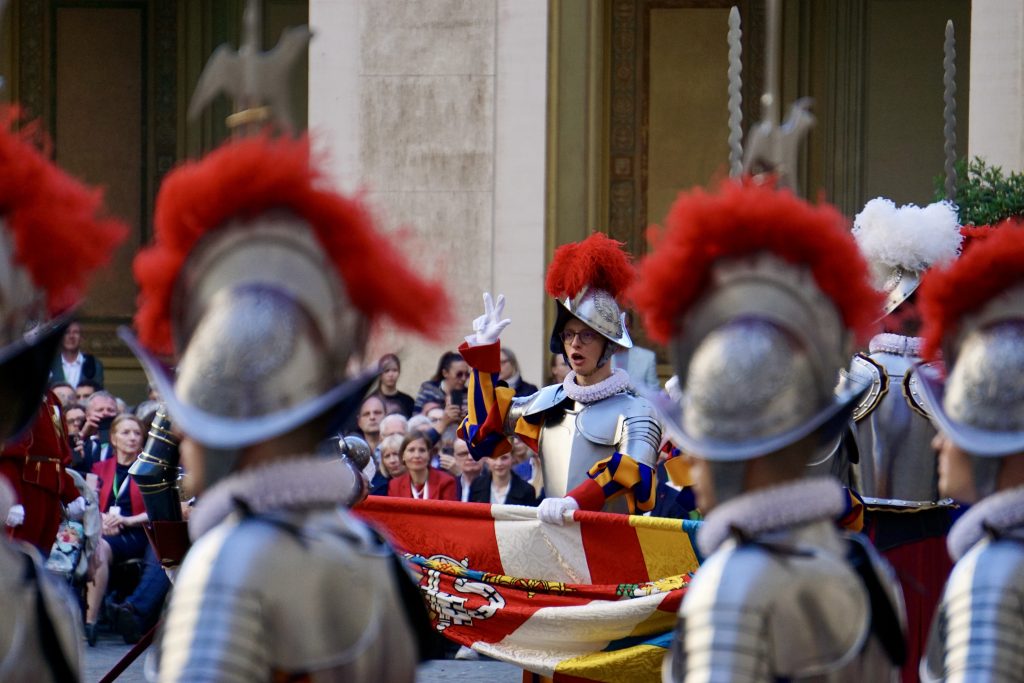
[85,389]
[123,514]
[501,486]
[469,468]
[392,424]
[64,391]
[73,366]
[557,369]
[421,481]
[448,385]
[100,411]
[445,421]
[509,374]
[526,464]
[395,401]
[371,412]
[390,464]
[74,417]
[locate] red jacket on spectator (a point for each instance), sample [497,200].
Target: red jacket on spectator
[105,470]
[440,486]
[35,465]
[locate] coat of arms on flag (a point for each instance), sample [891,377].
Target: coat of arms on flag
[590,601]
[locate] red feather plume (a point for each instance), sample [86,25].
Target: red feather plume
[58,234]
[598,261]
[745,218]
[987,268]
[246,178]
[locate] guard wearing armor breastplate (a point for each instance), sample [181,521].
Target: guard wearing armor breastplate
[598,441]
[40,206]
[974,313]
[263,284]
[896,471]
[758,295]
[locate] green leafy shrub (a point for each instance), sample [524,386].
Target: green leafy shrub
[984,194]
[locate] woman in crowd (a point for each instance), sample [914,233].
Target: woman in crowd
[123,514]
[509,373]
[390,464]
[501,485]
[394,400]
[557,369]
[420,480]
[449,380]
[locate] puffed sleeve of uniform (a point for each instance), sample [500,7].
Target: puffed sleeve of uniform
[631,470]
[494,411]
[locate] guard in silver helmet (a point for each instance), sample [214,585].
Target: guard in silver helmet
[758,295]
[597,439]
[256,298]
[895,473]
[974,314]
[262,284]
[40,621]
[893,430]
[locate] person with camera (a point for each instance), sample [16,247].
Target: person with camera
[100,411]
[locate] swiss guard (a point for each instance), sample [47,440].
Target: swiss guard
[974,315]
[597,439]
[262,285]
[52,238]
[759,297]
[896,475]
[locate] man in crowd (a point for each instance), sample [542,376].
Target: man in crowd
[100,411]
[758,294]
[639,363]
[72,365]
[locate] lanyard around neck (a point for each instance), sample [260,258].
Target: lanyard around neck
[423,493]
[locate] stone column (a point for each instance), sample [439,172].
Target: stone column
[437,109]
[997,83]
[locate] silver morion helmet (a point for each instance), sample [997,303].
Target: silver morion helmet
[586,279]
[758,296]
[53,237]
[901,243]
[266,307]
[974,314]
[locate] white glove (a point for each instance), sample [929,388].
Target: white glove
[487,328]
[552,510]
[76,508]
[16,515]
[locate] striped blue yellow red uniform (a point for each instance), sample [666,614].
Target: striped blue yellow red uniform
[483,430]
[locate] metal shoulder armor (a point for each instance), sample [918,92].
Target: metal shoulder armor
[754,613]
[260,598]
[525,406]
[978,630]
[866,371]
[625,421]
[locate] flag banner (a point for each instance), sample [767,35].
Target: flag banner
[593,600]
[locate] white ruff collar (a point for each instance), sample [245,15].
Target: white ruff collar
[290,484]
[617,382]
[999,514]
[772,509]
[895,344]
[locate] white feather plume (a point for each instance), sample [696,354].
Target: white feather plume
[912,237]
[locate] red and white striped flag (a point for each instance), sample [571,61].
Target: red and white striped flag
[594,600]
